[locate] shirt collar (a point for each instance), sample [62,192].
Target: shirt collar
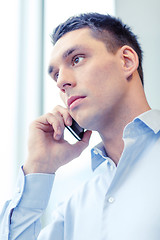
[145,122]
[151,119]
[98,155]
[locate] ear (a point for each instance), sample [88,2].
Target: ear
[129,59]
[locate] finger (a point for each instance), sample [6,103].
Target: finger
[86,136]
[65,115]
[57,122]
[81,145]
[51,123]
[61,114]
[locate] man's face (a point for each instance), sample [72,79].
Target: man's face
[90,78]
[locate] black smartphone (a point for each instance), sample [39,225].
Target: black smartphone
[76,130]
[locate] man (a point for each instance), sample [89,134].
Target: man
[96,62]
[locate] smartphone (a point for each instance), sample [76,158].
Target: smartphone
[76,130]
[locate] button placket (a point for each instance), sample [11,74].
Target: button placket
[111,167]
[111,199]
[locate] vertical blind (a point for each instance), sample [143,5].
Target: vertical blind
[21,98]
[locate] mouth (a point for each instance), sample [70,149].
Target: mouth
[74,101]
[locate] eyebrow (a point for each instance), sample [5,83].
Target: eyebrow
[70,51]
[50,69]
[65,55]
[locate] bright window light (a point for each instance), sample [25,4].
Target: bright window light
[8,63]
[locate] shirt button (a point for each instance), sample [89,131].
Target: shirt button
[111,199]
[95,151]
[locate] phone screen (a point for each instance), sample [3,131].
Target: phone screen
[76,130]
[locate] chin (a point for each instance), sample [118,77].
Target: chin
[86,123]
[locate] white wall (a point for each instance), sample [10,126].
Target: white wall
[144,18]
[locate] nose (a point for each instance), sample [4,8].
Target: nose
[65,79]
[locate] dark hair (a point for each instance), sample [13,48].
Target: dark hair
[107,28]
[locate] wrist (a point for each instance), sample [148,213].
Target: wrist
[37,167]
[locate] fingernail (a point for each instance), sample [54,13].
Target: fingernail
[57,137]
[59,130]
[69,121]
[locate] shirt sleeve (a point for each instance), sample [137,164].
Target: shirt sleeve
[20,217]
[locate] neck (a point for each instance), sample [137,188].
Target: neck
[112,132]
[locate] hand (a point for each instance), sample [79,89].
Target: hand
[47,148]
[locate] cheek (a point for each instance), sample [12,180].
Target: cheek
[103,70]
[106,83]
[100,76]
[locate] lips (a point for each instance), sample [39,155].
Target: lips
[72,100]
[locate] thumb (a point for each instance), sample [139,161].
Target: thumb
[81,145]
[86,137]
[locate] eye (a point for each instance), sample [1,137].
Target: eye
[76,60]
[56,76]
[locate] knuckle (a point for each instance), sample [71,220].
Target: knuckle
[49,116]
[57,108]
[55,119]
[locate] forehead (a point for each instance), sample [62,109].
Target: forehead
[81,38]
